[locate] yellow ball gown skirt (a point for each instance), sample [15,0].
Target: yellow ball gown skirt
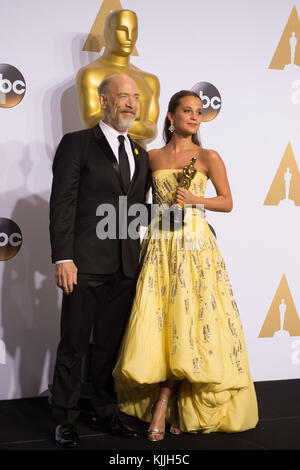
[185,325]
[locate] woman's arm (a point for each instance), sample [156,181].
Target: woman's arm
[218,176]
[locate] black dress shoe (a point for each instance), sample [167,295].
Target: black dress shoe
[116,427]
[66,436]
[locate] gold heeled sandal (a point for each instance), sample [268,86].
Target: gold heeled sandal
[155,432]
[175,430]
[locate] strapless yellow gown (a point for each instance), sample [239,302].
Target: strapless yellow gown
[185,325]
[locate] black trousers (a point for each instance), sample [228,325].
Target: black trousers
[99,303]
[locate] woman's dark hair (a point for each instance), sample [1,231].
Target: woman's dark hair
[174,102]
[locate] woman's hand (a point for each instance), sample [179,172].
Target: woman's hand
[183,196]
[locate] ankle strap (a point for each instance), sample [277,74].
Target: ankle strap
[162,399]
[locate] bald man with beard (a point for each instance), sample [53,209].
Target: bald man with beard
[98,275]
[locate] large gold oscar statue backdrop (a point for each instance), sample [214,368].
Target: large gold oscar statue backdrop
[120,35]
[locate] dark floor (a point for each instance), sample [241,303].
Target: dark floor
[26,424]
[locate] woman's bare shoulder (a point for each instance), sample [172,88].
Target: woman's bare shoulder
[155,155]
[210,156]
[154,152]
[213,162]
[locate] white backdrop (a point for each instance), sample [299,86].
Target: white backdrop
[228,43]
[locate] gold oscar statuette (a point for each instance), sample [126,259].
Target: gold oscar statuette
[120,34]
[189,172]
[177,209]
[173,217]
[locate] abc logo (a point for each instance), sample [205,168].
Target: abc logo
[211,100]
[12,86]
[10,239]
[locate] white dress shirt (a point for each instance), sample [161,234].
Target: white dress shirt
[112,138]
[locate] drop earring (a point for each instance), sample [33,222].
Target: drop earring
[171,127]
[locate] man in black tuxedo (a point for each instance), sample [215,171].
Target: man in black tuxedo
[98,275]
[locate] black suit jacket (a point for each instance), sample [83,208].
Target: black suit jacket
[85,175]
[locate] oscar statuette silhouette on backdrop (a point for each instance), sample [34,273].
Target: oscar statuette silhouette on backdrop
[293,43]
[120,34]
[287,183]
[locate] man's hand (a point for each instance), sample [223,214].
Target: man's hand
[66,276]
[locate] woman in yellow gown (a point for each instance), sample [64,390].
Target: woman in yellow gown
[183,358]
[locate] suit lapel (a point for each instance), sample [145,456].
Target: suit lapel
[106,149]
